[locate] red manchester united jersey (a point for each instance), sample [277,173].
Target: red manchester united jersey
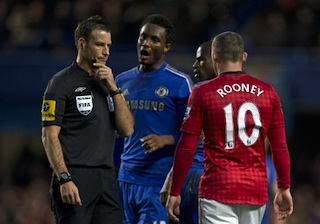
[236,112]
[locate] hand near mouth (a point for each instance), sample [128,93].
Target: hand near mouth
[105,75]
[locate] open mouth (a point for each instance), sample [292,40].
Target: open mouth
[144,53]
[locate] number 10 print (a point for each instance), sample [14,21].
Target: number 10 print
[241,123]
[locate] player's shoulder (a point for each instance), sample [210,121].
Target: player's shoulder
[244,78]
[129,71]
[262,83]
[175,72]
[206,84]
[264,86]
[178,75]
[256,79]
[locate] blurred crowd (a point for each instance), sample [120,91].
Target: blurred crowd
[49,24]
[24,183]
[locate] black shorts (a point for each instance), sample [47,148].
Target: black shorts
[99,193]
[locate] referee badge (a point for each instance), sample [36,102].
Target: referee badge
[48,110]
[84,104]
[110,103]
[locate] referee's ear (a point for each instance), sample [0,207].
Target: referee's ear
[80,43]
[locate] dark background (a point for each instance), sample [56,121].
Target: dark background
[36,40]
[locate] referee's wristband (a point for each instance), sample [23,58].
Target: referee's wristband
[117,91]
[64,178]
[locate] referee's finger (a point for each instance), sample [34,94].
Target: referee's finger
[78,201]
[64,199]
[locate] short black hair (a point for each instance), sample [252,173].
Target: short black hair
[161,21]
[85,27]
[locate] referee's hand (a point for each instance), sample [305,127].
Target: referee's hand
[70,194]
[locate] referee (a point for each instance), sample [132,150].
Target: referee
[81,111]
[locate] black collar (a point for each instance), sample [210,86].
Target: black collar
[233,72]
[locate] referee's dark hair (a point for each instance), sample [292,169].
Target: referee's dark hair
[85,27]
[161,21]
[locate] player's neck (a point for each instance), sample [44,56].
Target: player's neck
[229,67]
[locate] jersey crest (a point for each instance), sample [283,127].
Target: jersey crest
[84,104]
[161,91]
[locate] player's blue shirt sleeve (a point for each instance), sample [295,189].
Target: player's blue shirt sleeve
[198,157]
[271,171]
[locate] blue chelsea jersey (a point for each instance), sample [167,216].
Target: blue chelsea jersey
[198,157]
[157,101]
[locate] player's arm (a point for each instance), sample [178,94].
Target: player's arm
[280,156]
[165,190]
[123,118]
[183,158]
[283,203]
[53,149]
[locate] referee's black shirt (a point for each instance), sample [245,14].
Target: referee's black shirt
[81,106]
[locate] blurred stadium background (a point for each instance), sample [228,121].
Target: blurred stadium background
[36,40]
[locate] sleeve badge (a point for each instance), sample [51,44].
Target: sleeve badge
[48,110]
